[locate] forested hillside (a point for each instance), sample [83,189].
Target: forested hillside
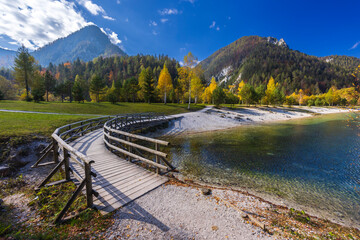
[254,59]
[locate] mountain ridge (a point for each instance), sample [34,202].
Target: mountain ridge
[86,44]
[255,59]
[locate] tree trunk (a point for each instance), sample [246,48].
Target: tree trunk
[47,95]
[26,83]
[189,94]
[165,98]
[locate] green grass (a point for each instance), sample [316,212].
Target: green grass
[20,124]
[103,108]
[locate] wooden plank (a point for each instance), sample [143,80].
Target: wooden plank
[109,175]
[127,182]
[123,177]
[130,196]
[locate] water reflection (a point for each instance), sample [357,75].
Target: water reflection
[313,162]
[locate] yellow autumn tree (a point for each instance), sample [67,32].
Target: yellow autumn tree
[269,92]
[196,88]
[165,83]
[301,97]
[241,86]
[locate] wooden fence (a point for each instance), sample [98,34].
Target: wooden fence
[125,143]
[115,138]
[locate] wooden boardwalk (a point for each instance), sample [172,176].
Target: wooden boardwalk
[118,181]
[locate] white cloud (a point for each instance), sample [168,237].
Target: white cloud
[153,23]
[167,11]
[154,32]
[118,2]
[355,45]
[212,24]
[126,20]
[36,23]
[114,38]
[217,28]
[93,8]
[125,38]
[109,18]
[164,20]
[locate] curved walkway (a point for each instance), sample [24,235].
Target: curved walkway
[118,181]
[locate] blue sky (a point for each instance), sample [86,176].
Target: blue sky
[176,27]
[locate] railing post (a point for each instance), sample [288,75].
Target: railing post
[157,159]
[82,129]
[55,151]
[66,163]
[128,139]
[88,183]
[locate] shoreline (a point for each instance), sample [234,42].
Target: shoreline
[213,119]
[260,115]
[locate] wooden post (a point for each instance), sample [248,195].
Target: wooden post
[157,159]
[82,129]
[130,150]
[66,163]
[89,196]
[55,151]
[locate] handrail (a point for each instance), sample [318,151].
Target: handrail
[115,133]
[64,153]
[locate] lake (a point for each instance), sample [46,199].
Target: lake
[313,162]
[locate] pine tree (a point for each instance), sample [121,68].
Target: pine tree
[149,90]
[165,83]
[38,87]
[78,89]
[49,82]
[24,68]
[97,86]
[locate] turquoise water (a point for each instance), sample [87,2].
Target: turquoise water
[314,162]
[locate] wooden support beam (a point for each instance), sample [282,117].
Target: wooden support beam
[52,173]
[71,200]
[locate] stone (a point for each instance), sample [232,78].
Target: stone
[5,171]
[205,191]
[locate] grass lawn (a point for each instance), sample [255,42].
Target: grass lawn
[20,124]
[103,108]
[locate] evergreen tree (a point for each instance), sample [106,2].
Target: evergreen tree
[24,68]
[49,83]
[78,91]
[218,96]
[149,90]
[247,94]
[111,94]
[97,86]
[38,87]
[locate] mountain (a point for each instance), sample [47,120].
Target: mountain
[6,58]
[86,44]
[254,59]
[342,61]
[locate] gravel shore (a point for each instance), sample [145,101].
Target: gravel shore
[176,212]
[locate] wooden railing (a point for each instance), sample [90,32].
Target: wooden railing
[63,153]
[118,139]
[115,138]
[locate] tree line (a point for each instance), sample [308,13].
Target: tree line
[117,79]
